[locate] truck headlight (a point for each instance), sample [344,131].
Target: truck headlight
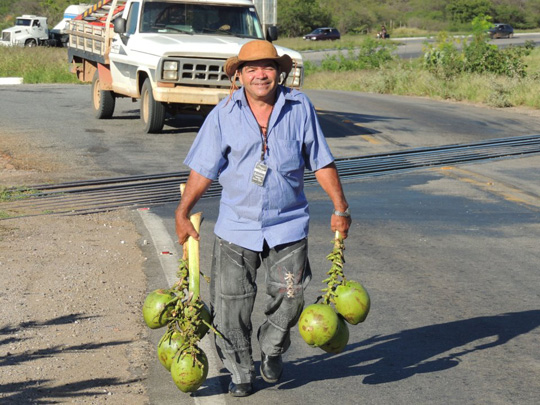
[170,70]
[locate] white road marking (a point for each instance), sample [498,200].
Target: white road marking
[10,80]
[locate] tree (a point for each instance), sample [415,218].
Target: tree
[463,11]
[511,14]
[298,17]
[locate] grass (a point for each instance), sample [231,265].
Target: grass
[12,194]
[301,45]
[492,90]
[408,78]
[36,65]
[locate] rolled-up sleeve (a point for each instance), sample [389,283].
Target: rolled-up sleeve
[316,151]
[206,155]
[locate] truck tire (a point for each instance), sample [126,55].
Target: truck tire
[152,111]
[103,101]
[30,43]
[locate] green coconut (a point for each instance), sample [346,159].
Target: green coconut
[352,302]
[169,344]
[340,339]
[318,324]
[157,308]
[188,370]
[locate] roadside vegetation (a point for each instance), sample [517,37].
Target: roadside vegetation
[36,65]
[463,69]
[409,78]
[299,17]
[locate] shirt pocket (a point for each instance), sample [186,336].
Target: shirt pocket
[287,155]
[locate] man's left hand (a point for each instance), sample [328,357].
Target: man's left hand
[341,224]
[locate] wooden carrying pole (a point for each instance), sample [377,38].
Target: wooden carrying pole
[192,254]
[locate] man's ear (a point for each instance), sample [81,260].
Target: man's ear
[282,76]
[238,74]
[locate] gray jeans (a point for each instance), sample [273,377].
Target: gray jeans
[233,291]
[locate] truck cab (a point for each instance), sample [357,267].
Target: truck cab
[180,47]
[29,30]
[169,54]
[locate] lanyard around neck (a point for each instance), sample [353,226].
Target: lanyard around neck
[264,136]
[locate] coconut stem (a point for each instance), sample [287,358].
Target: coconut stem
[193,259]
[191,254]
[338,241]
[336,271]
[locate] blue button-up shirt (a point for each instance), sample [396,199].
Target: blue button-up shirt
[228,146]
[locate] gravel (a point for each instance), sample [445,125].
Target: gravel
[71,291]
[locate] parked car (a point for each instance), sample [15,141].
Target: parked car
[501,31]
[321,34]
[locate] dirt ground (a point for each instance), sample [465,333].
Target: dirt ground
[71,291]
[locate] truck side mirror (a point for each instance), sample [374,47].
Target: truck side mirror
[272,33]
[120,25]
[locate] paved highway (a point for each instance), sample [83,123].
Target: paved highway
[449,255]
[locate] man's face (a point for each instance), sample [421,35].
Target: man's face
[260,80]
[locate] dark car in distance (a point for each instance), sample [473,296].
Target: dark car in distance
[501,31]
[321,34]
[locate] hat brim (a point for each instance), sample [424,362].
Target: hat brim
[232,64]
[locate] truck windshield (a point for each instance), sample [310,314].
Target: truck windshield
[24,22]
[200,19]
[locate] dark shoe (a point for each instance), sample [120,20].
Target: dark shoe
[271,368]
[240,390]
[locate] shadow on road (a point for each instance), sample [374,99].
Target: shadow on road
[178,123]
[384,359]
[42,391]
[338,124]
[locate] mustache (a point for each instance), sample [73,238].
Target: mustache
[261,81]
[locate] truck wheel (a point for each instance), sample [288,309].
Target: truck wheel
[152,111]
[103,101]
[30,43]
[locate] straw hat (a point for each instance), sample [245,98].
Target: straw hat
[257,50]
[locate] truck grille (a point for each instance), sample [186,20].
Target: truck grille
[207,72]
[6,36]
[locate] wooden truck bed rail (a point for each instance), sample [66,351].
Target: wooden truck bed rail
[87,37]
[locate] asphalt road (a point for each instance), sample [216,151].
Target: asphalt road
[57,120]
[449,255]
[450,258]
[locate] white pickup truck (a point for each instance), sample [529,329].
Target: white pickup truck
[169,54]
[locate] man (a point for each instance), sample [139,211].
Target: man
[258,143]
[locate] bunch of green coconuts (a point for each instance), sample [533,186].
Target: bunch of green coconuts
[324,324]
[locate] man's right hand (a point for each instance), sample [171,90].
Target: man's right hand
[195,188]
[184,228]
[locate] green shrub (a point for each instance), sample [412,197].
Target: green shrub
[446,60]
[372,54]
[499,96]
[443,57]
